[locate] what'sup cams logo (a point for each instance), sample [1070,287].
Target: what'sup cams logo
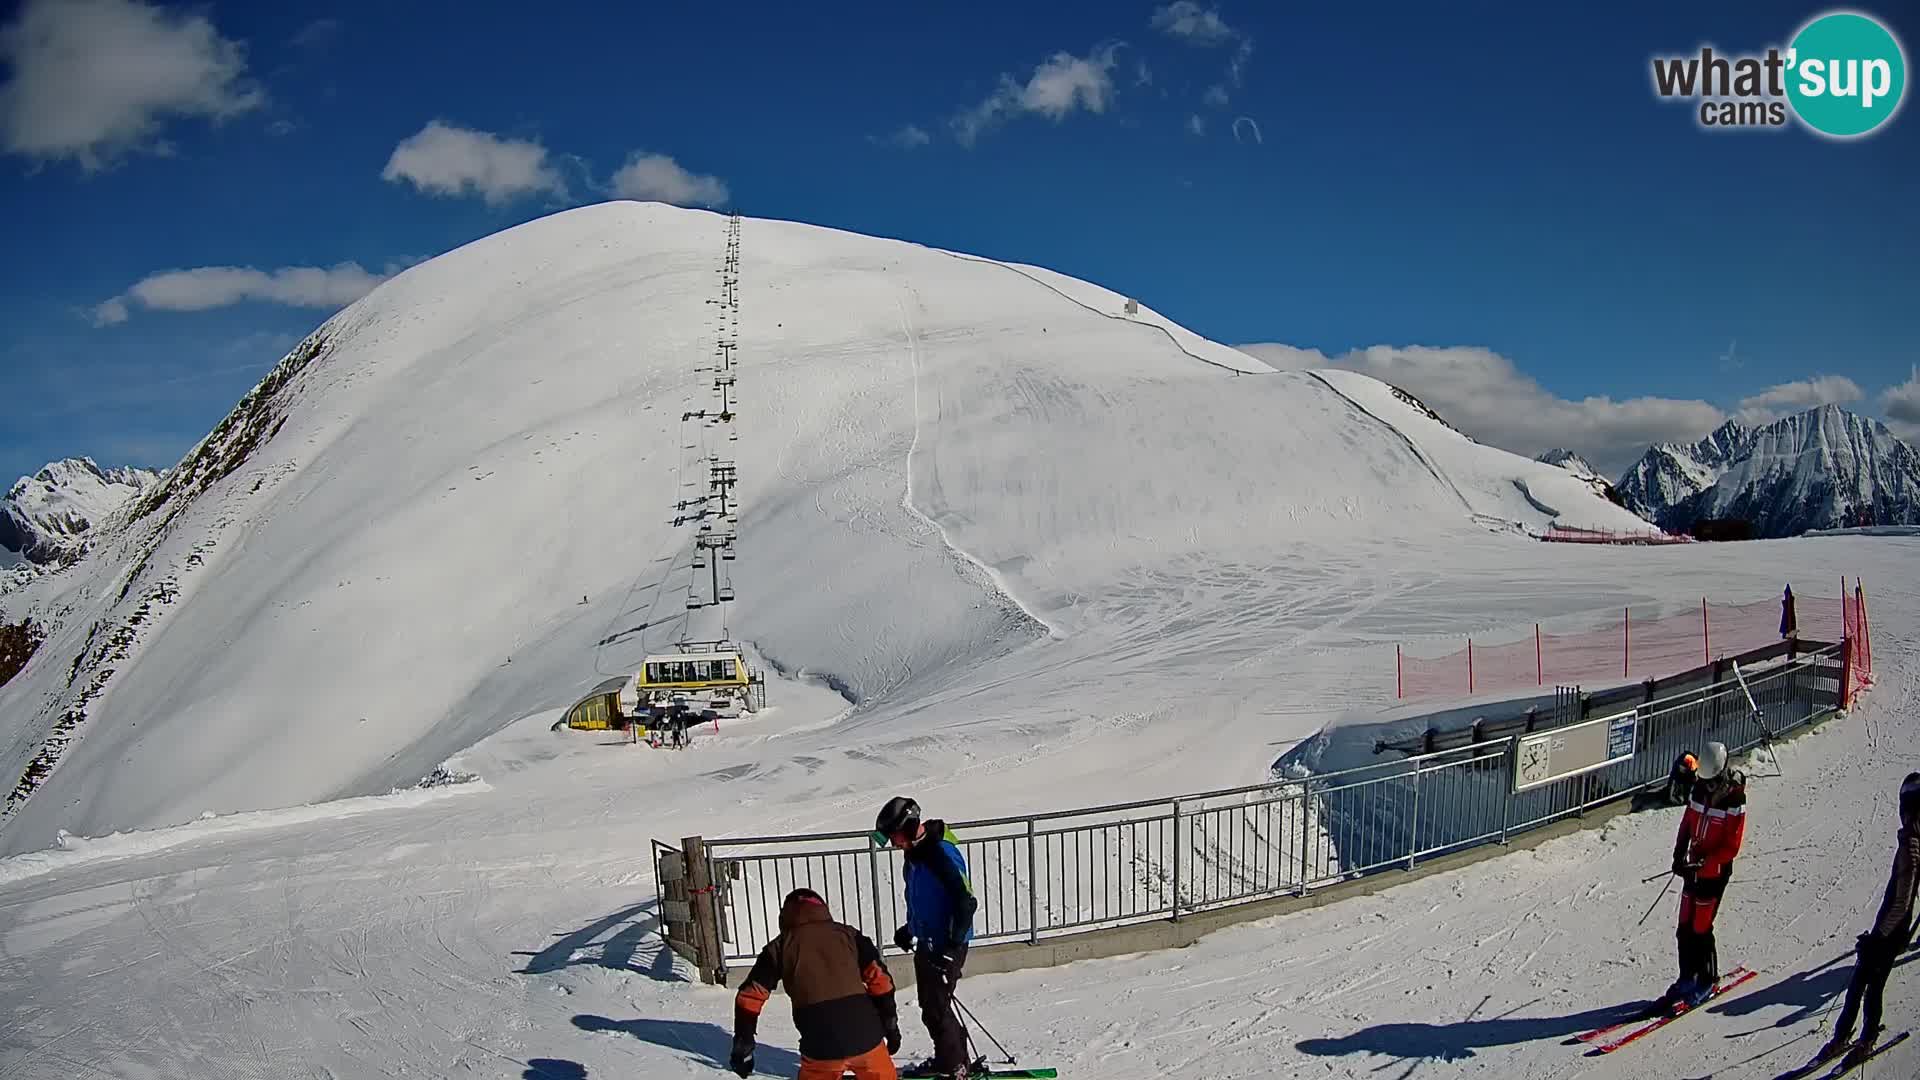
[1843,76]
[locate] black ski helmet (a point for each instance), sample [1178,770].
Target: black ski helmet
[1910,801]
[900,815]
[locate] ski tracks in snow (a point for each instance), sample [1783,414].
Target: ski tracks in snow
[995,582]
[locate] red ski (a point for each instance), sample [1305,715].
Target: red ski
[1597,1034]
[1732,979]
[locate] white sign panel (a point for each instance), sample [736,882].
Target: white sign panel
[1546,756]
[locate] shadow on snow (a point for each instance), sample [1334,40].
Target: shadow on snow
[704,1042]
[635,945]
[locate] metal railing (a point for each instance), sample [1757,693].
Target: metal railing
[1073,871]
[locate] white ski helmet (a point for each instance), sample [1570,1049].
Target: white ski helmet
[1713,761]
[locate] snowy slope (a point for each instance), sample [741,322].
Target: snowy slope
[50,515]
[1821,469]
[1496,486]
[956,476]
[511,932]
[1578,466]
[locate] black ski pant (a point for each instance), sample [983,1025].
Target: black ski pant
[937,1010]
[1876,957]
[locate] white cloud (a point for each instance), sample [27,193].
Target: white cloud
[1203,26]
[205,287]
[317,34]
[1196,125]
[1252,125]
[1141,75]
[1483,394]
[658,178]
[441,159]
[1188,20]
[1902,405]
[111,313]
[908,137]
[1061,85]
[1791,397]
[96,80]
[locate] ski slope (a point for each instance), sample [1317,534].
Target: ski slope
[508,931]
[1007,547]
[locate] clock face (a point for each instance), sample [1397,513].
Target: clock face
[1536,761]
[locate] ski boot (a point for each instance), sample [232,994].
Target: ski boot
[1836,1046]
[1861,1050]
[1697,994]
[1675,995]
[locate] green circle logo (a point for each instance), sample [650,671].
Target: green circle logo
[1846,74]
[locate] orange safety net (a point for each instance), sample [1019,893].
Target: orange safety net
[1637,647]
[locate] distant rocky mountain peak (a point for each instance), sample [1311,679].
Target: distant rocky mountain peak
[53,513]
[1823,468]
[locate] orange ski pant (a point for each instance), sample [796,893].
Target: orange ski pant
[875,1064]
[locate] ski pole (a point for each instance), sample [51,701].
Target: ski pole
[1656,902]
[962,1006]
[1656,877]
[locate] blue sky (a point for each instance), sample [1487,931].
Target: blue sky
[1496,201]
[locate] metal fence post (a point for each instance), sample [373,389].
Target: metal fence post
[1413,837]
[873,872]
[1306,828]
[1033,890]
[1506,789]
[1176,860]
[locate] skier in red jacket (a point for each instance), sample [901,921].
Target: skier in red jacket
[1709,840]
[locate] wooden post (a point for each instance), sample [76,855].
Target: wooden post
[1399,674]
[1626,642]
[706,927]
[1539,668]
[1469,665]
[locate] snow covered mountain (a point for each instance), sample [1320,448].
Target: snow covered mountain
[1821,469]
[458,503]
[1577,465]
[50,515]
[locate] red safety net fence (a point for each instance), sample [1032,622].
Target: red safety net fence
[1859,655]
[1638,647]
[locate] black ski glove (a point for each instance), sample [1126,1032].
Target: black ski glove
[893,1037]
[1682,868]
[903,939]
[941,961]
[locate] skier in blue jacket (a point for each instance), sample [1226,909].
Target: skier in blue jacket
[939,927]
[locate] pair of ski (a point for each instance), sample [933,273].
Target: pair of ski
[1836,1067]
[1607,1039]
